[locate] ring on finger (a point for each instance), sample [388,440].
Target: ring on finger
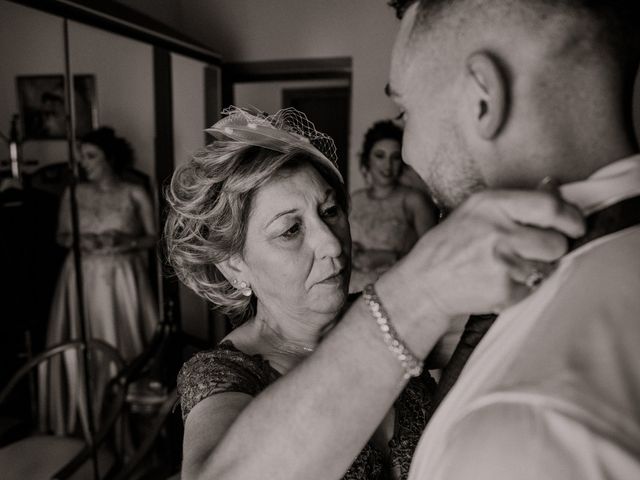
[534,279]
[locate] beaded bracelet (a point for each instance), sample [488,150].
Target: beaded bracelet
[411,364]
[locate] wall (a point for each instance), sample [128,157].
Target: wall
[250,30]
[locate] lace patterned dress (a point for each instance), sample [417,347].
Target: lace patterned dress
[119,303]
[379,224]
[227,369]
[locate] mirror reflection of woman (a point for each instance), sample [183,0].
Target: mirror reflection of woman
[116,229]
[387,217]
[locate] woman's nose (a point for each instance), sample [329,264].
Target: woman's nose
[326,242]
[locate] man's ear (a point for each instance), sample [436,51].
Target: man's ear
[233,268]
[487,94]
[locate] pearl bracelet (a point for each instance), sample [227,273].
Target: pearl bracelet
[411,364]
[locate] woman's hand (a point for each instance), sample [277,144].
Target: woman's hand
[90,242]
[478,259]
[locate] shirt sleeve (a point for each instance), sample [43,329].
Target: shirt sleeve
[519,442]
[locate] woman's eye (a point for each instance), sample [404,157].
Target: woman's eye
[331,211]
[400,116]
[292,231]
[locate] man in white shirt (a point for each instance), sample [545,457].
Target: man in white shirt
[494,92]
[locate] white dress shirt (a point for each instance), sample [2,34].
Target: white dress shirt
[553,389]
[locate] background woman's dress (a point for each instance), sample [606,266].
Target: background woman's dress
[381,224]
[119,302]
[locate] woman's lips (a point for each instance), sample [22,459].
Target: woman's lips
[336,278]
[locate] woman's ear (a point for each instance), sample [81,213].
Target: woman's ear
[486,94]
[233,268]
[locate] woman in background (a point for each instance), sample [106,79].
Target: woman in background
[387,217]
[116,229]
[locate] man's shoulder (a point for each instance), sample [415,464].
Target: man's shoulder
[606,270]
[582,347]
[514,439]
[599,290]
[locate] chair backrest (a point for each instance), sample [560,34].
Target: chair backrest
[155,429]
[56,384]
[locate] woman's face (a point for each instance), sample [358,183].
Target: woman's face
[94,162]
[297,253]
[385,162]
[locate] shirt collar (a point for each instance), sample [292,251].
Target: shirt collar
[615,182]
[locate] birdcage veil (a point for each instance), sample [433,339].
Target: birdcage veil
[286,129]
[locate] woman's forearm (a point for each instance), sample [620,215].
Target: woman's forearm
[313,422]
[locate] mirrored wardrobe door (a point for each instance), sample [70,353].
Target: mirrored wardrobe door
[33,170]
[117,190]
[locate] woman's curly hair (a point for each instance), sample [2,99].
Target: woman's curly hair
[209,201]
[382,130]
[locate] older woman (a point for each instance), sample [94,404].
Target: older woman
[258,225]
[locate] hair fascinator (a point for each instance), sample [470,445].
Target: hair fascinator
[286,129]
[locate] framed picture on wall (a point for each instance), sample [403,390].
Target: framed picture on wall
[42,105]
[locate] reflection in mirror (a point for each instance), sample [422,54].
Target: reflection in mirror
[79,214]
[32,123]
[116,216]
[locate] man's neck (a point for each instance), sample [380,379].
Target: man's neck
[578,153]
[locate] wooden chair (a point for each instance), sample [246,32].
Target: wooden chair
[44,455]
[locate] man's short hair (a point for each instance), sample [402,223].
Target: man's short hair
[620,19]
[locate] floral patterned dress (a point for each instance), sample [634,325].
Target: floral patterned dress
[227,369]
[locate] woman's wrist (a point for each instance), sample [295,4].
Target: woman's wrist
[416,316]
[410,363]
